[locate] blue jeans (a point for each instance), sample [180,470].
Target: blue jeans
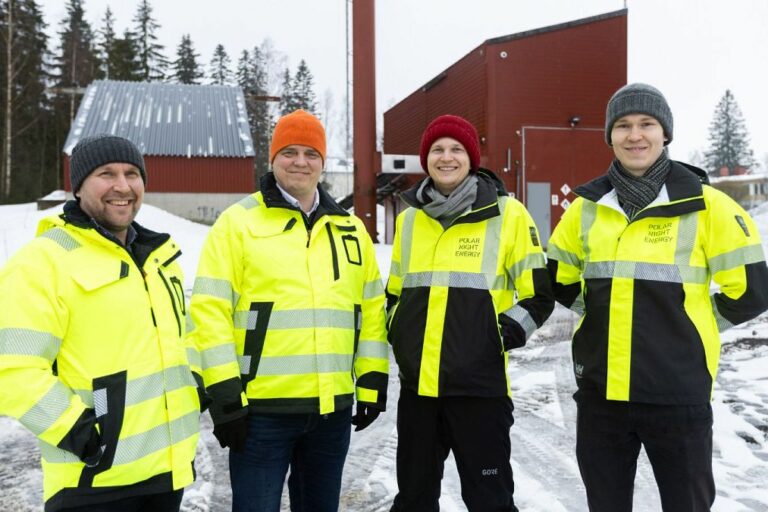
[314,446]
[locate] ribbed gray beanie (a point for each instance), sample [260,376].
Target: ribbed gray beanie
[97,150]
[638,98]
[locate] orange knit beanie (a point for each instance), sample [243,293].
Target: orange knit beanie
[298,127]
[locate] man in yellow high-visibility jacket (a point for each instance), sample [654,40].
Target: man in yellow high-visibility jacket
[635,255]
[288,315]
[92,359]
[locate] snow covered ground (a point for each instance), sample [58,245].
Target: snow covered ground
[543,437]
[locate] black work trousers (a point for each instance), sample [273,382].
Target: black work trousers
[476,429]
[676,438]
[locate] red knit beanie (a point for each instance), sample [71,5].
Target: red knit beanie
[454,127]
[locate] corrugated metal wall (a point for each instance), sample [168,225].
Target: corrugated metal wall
[548,78]
[538,78]
[459,90]
[215,175]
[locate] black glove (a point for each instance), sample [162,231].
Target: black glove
[232,433]
[364,416]
[512,335]
[92,451]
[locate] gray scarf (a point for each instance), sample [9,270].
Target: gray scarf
[445,209]
[635,193]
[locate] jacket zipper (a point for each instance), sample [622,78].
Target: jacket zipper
[334,254]
[173,302]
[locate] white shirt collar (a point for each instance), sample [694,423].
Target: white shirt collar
[295,202]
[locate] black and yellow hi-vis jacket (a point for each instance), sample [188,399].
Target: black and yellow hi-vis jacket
[289,315]
[448,290]
[649,327]
[92,337]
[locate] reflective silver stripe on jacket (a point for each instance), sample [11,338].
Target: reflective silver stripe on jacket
[218,355]
[520,315]
[132,448]
[47,410]
[219,288]
[373,349]
[373,289]
[61,237]
[248,202]
[588,215]
[492,240]
[556,253]
[298,319]
[148,387]
[736,258]
[302,364]
[193,356]
[723,324]
[26,342]
[406,240]
[665,272]
[530,262]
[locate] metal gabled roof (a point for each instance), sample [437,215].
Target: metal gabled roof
[166,119]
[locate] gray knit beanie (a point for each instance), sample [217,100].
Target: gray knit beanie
[97,150]
[638,98]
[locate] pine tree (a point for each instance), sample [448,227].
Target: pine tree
[106,43]
[252,78]
[728,137]
[288,100]
[76,65]
[27,154]
[220,73]
[303,88]
[186,69]
[124,60]
[152,62]
[119,56]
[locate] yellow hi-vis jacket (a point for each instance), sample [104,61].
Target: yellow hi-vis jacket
[289,318]
[649,327]
[449,288]
[91,337]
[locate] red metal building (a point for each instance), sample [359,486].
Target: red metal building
[538,101]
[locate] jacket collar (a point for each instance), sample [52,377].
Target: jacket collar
[682,192]
[489,188]
[145,243]
[274,199]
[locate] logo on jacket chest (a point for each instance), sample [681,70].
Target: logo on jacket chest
[659,233]
[468,247]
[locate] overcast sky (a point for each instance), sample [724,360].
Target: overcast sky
[692,50]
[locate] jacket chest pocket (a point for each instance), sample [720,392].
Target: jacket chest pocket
[346,253]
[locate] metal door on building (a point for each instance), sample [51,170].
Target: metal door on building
[555,161]
[539,208]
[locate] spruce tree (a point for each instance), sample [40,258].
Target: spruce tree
[288,99]
[152,62]
[75,66]
[252,78]
[124,60]
[303,88]
[220,72]
[106,44]
[186,69]
[27,153]
[728,138]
